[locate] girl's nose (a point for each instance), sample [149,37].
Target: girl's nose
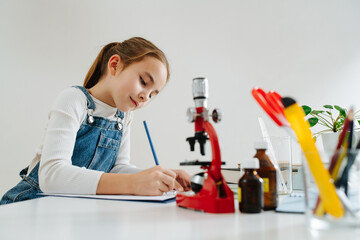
[144,97]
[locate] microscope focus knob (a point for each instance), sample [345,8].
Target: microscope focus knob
[216,115]
[191,114]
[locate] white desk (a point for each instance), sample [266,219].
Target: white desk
[71,218]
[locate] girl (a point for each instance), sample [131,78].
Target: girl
[86,145]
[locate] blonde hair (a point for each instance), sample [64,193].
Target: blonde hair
[130,51]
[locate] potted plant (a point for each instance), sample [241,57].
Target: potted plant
[332,118]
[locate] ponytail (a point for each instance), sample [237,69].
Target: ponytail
[130,51]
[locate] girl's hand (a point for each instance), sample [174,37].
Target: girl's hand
[154,181]
[183,178]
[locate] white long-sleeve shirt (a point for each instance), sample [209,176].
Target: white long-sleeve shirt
[56,172]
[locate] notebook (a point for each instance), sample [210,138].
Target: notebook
[166,197]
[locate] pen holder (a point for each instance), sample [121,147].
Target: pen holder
[345,175]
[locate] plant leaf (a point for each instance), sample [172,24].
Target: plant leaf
[339,108]
[328,106]
[316,112]
[342,111]
[306,109]
[313,121]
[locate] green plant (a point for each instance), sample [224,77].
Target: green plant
[332,118]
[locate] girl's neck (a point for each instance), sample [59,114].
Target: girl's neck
[100,92]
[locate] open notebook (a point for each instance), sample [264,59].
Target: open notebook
[166,197]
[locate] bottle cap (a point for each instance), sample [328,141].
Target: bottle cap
[251,164]
[261,145]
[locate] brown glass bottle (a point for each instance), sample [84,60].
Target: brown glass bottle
[250,193]
[267,171]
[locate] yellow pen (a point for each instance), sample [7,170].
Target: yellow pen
[296,117]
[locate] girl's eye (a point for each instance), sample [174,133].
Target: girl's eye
[142,81]
[152,95]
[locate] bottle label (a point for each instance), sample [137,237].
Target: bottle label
[266,184]
[239,194]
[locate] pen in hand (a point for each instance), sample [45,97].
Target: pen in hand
[151,144]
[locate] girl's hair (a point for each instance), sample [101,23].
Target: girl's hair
[130,51]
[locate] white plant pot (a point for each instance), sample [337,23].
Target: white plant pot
[330,140]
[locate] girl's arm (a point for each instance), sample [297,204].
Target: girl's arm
[152,182]
[56,172]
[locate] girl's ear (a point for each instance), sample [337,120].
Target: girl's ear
[114,64]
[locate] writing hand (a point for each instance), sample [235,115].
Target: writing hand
[155,181]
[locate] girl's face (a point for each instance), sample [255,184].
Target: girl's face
[133,87]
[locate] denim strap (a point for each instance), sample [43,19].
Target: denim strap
[90,102]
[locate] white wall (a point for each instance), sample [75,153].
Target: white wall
[305,49]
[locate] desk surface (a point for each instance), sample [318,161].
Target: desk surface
[73,218]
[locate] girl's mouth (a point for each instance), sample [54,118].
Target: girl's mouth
[134,102]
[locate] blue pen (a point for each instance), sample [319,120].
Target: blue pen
[151,144]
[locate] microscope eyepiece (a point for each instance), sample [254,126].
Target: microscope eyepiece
[200,88]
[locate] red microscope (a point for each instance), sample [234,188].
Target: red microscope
[211,193]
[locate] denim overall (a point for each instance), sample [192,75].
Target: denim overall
[96,147]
